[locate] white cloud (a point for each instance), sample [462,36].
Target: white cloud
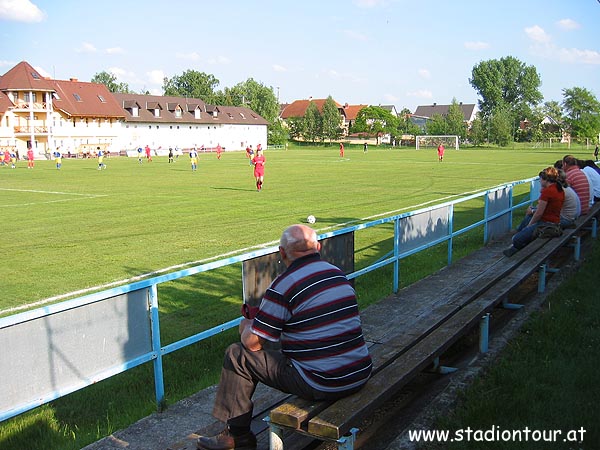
[278,68]
[424,73]
[193,56]
[219,60]
[355,35]
[568,24]
[537,34]
[421,93]
[86,47]
[476,45]
[575,55]
[391,98]
[156,76]
[114,51]
[20,11]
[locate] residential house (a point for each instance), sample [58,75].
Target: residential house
[162,121]
[297,108]
[78,117]
[43,114]
[426,112]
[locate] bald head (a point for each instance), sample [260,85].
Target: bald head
[297,241]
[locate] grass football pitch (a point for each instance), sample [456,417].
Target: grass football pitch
[80,228]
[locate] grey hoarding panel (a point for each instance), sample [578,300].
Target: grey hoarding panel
[54,353]
[498,201]
[423,228]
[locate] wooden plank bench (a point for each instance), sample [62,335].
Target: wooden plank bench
[399,358]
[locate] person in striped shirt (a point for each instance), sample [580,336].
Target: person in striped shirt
[311,310]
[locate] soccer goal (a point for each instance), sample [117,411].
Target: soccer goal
[433,141]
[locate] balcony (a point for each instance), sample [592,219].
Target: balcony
[26,106]
[27,130]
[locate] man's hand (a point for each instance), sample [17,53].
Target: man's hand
[248,339]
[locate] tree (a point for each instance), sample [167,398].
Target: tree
[192,84]
[582,111]
[501,127]
[477,131]
[331,120]
[509,84]
[296,127]
[312,123]
[436,125]
[253,95]
[277,133]
[110,81]
[375,121]
[455,120]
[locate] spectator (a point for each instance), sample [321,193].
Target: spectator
[571,209]
[547,212]
[319,359]
[590,169]
[578,181]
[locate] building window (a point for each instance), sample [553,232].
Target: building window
[102,99]
[135,111]
[29,97]
[157,112]
[77,97]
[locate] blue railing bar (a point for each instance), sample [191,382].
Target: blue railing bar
[159,384]
[370,268]
[200,336]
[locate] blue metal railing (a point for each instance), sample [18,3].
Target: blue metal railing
[158,351]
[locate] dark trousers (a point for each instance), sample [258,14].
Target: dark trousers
[243,370]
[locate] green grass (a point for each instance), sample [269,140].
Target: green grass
[80,228]
[545,379]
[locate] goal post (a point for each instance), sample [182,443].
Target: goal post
[432,141]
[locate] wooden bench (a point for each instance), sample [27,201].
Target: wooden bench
[417,343]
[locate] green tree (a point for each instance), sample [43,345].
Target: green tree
[436,125]
[509,84]
[110,81]
[253,95]
[405,126]
[375,121]
[277,134]
[455,120]
[582,113]
[296,127]
[192,84]
[312,123]
[501,127]
[477,131]
[331,120]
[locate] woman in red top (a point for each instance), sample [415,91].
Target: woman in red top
[547,212]
[259,168]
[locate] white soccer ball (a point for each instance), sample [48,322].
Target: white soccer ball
[311,219]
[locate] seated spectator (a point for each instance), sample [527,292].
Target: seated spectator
[571,209]
[589,168]
[578,181]
[547,212]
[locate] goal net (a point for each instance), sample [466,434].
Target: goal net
[432,141]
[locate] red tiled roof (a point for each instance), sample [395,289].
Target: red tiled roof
[82,99]
[351,111]
[167,107]
[23,77]
[298,107]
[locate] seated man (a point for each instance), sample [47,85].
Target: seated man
[311,310]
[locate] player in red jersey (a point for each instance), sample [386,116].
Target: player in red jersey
[259,168]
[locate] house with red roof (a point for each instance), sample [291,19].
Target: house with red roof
[348,113]
[77,117]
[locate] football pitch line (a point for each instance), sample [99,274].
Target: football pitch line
[221,256]
[34,191]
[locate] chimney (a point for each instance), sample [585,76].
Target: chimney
[73,79]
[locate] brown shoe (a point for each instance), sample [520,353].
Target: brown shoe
[226,441]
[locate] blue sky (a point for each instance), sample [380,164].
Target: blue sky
[399,52]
